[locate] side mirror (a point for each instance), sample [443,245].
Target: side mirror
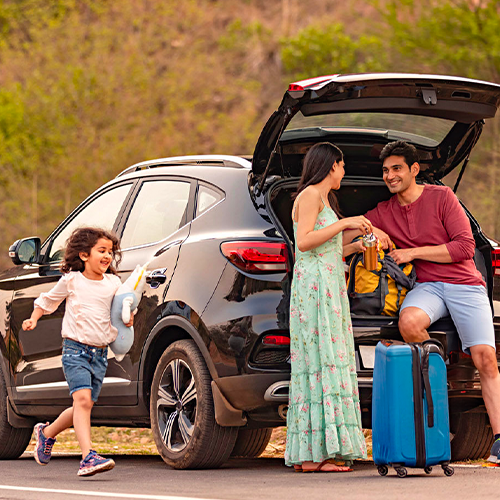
[25,251]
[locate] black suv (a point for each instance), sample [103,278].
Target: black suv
[209,367]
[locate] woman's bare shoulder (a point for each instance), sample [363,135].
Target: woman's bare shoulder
[310,194]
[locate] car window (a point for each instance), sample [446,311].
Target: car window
[206,198]
[101,212]
[426,130]
[159,210]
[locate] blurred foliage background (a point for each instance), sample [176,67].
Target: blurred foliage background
[89,87]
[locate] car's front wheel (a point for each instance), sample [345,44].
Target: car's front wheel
[13,441]
[182,411]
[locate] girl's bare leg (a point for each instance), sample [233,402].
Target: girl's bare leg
[62,422]
[82,407]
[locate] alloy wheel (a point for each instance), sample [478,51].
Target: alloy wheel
[176,405]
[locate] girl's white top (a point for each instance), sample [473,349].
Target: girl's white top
[88,304]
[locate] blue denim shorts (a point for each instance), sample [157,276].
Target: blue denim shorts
[84,366]
[468,306]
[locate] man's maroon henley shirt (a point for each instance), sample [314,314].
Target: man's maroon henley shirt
[434,218]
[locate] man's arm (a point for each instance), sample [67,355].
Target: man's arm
[373,217]
[461,245]
[438,253]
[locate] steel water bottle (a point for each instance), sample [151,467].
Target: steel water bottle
[370,256]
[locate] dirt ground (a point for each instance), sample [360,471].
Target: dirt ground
[140,442]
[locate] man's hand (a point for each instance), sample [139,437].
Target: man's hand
[383,238]
[402,255]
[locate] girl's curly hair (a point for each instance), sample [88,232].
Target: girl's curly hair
[83,240]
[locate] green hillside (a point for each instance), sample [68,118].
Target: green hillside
[89,87]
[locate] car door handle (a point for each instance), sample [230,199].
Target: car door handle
[156,278]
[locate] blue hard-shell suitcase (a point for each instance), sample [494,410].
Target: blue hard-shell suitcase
[410,425]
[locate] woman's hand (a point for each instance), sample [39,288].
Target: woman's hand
[357,246]
[29,324]
[359,222]
[353,247]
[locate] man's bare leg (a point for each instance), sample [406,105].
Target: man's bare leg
[485,360]
[413,324]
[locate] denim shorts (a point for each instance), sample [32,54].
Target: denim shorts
[468,306]
[84,366]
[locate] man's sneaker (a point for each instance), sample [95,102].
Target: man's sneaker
[495,452]
[43,446]
[94,463]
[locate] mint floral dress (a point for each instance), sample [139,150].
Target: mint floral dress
[324,417]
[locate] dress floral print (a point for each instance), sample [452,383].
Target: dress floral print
[324,417]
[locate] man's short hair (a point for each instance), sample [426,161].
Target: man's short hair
[400,148]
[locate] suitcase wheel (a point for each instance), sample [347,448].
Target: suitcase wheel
[402,472]
[383,470]
[428,470]
[448,471]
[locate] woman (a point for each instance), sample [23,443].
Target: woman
[324,418]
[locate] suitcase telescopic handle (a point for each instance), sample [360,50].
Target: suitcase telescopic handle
[427,384]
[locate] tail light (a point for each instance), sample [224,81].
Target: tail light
[278,340]
[495,261]
[257,256]
[456,356]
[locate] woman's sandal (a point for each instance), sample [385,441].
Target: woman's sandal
[319,467]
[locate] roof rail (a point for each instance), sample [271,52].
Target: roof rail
[202,160]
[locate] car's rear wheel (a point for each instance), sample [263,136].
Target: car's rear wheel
[13,441]
[251,443]
[182,411]
[471,436]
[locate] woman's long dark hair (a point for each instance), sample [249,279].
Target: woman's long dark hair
[317,165]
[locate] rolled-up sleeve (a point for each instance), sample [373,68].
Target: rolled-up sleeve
[461,245]
[48,302]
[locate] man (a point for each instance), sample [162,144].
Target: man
[430,229]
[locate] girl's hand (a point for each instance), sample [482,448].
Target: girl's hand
[359,222]
[29,324]
[131,322]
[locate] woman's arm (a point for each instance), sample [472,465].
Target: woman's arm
[306,212]
[351,248]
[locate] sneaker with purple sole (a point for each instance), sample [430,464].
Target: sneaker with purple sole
[43,446]
[94,463]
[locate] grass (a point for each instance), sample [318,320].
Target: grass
[125,441]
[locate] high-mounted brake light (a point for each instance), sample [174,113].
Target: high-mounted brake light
[257,256]
[294,87]
[495,261]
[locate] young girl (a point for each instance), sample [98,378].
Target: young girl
[88,284]
[324,418]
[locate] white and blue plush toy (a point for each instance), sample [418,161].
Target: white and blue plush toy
[126,300]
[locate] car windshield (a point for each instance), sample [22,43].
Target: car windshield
[426,127]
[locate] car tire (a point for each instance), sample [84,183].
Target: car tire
[471,436]
[13,441]
[251,443]
[182,411]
